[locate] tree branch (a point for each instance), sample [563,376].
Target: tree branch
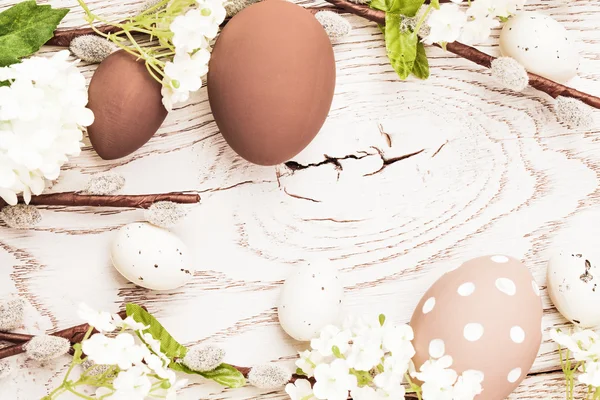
[554,89]
[73,199]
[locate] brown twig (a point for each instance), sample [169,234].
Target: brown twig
[72,199]
[74,334]
[62,37]
[545,85]
[15,337]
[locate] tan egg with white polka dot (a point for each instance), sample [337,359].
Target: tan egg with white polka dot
[487,315]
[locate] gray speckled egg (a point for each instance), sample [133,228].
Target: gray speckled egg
[541,44]
[151,257]
[311,298]
[573,285]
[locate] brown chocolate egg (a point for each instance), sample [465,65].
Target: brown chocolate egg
[271,81]
[487,314]
[127,106]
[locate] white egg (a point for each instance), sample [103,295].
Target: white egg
[151,257]
[574,286]
[541,44]
[311,298]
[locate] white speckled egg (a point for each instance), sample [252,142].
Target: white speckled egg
[487,315]
[151,257]
[541,44]
[311,298]
[573,279]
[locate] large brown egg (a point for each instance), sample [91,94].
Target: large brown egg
[271,80]
[487,314]
[127,106]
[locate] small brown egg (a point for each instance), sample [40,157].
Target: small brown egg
[487,314]
[127,106]
[271,81]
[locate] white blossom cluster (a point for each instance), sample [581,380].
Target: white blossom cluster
[192,33]
[142,367]
[471,25]
[42,114]
[583,345]
[370,359]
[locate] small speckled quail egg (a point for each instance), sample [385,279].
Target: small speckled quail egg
[151,257]
[573,279]
[541,44]
[311,298]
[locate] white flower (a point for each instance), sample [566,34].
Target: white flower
[189,31]
[132,384]
[214,11]
[397,339]
[478,30]
[128,323]
[584,344]
[333,381]
[394,369]
[437,378]
[172,391]
[308,361]
[364,393]
[468,385]
[369,393]
[365,353]
[591,376]
[300,390]
[42,114]
[197,26]
[495,8]
[101,350]
[121,350]
[506,8]
[186,71]
[159,366]
[154,345]
[183,75]
[331,336]
[366,326]
[445,24]
[100,320]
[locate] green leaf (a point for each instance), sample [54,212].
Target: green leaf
[224,374]
[24,28]
[378,5]
[421,67]
[168,344]
[363,377]
[381,319]
[408,8]
[401,46]
[336,352]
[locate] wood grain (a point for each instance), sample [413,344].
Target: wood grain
[405,181]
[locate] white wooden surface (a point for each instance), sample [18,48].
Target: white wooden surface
[406,180]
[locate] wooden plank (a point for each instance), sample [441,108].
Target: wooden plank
[405,181]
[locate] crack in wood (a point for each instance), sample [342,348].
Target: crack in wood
[296,166]
[296,196]
[389,161]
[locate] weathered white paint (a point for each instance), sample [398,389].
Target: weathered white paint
[405,181]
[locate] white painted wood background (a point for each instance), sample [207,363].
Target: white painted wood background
[464,168]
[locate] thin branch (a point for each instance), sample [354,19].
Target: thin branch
[72,199]
[554,89]
[62,37]
[74,334]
